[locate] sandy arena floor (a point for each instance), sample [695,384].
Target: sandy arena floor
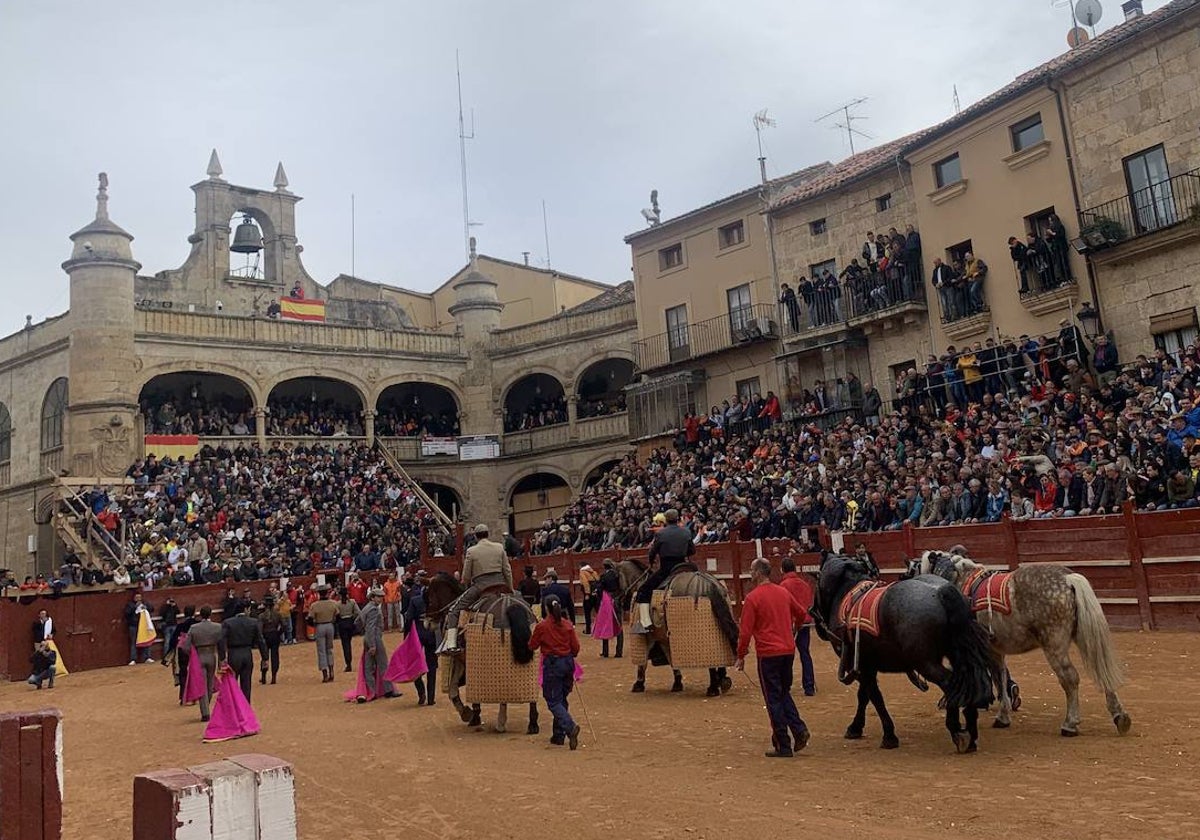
[663,765]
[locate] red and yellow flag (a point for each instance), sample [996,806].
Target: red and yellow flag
[174,446]
[302,309]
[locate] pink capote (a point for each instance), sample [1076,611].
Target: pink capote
[605,626]
[194,680]
[360,688]
[408,660]
[232,716]
[578,676]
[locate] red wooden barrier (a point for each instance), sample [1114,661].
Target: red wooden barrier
[31,775]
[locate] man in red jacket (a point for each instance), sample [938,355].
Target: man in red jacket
[802,591]
[770,616]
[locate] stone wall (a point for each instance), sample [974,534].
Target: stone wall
[848,213]
[1143,95]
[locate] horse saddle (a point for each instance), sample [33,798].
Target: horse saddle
[859,610]
[989,591]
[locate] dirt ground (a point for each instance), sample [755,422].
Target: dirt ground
[662,765]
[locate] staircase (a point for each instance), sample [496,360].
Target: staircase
[77,527]
[407,480]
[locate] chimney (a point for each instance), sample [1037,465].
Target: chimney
[525,254]
[1132,9]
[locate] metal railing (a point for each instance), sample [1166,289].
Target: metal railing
[864,296]
[1158,206]
[738,327]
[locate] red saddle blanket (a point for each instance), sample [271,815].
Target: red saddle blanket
[859,610]
[989,591]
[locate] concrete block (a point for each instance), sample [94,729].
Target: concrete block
[234,806]
[275,797]
[172,805]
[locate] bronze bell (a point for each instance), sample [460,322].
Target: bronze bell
[247,239]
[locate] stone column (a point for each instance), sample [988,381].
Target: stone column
[369,425]
[260,426]
[572,414]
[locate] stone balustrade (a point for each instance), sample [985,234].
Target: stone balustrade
[201,326]
[564,327]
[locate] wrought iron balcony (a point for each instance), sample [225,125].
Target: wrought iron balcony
[1157,207]
[739,327]
[855,300]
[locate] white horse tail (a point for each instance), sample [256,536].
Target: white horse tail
[1092,636]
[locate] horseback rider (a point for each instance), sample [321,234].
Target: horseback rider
[672,545]
[485,566]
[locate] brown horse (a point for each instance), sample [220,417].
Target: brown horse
[1040,605]
[687,581]
[508,613]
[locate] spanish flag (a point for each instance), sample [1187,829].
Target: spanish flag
[302,309]
[174,446]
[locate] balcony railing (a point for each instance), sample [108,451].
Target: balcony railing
[857,299]
[516,443]
[1157,207]
[600,428]
[742,326]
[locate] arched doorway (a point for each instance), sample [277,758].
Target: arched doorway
[602,388]
[314,405]
[534,401]
[193,403]
[444,496]
[536,498]
[411,409]
[598,472]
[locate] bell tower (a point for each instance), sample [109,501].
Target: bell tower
[102,362]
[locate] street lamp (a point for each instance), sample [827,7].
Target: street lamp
[1090,320]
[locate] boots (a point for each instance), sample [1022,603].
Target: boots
[620,644]
[604,649]
[420,694]
[272,678]
[326,675]
[262,677]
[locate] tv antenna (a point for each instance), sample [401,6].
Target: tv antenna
[957,104]
[849,118]
[761,121]
[463,137]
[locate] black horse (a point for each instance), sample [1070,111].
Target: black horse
[921,622]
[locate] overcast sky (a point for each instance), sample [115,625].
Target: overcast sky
[584,105]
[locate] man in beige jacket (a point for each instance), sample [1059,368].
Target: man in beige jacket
[484,567]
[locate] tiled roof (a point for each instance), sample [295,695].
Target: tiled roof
[618,295]
[850,169]
[864,163]
[791,179]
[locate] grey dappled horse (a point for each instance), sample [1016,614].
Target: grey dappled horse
[1051,607]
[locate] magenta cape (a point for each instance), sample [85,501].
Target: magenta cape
[605,626]
[542,668]
[408,660]
[232,716]
[194,680]
[360,688]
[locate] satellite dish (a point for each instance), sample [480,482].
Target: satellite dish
[1088,12]
[1077,37]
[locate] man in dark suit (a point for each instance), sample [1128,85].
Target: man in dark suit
[672,545]
[943,281]
[551,587]
[242,636]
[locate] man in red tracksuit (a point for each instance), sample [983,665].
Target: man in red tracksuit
[802,591]
[770,616]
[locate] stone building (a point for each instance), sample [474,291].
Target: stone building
[1133,114]
[495,342]
[706,299]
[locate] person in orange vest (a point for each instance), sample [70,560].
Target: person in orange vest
[392,590]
